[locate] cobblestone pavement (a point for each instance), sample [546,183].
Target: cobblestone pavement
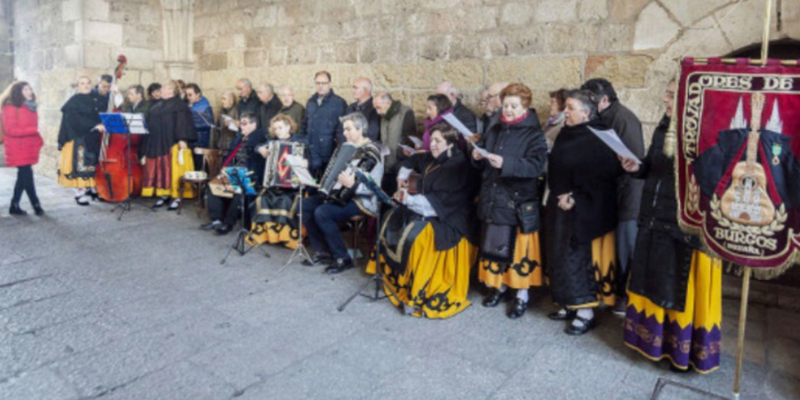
[92,307]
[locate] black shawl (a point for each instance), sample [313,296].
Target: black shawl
[169,122]
[79,116]
[449,189]
[582,164]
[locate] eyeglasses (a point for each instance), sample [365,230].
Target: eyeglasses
[321,83]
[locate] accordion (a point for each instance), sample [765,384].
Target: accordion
[278,172]
[347,157]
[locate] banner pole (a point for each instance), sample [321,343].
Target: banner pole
[742,325]
[765,37]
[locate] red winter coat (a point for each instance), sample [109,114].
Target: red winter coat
[22,139]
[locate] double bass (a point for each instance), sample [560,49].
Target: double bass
[119,173]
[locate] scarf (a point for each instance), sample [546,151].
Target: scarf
[515,121]
[426,137]
[31,104]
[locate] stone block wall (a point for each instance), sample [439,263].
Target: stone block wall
[57,41]
[409,46]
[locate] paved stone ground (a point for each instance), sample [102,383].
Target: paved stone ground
[92,307]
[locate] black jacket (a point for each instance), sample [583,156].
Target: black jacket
[169,122]
[248,156]
[466,116]
[79,116]
[448,189]
[581,164]
[662,262]
[267,111]
[629,129]
[524,153]
[250,105]
[373,119]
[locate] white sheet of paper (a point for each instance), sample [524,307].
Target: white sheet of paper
[408,148]
[455,123]
[304,177]
[417,141]
[136,123]
[481,150]
[295,161]
[612,140]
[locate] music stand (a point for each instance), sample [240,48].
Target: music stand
[239,243]
[377,277]
[125,124]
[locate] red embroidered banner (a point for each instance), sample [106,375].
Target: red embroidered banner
[738,144]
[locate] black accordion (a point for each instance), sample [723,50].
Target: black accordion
[347,157]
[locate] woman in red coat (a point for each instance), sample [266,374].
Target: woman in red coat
[23,143]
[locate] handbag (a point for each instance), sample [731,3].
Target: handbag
[528,216]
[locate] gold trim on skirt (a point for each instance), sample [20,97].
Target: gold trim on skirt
[524,272]
[65,162]
[435,283]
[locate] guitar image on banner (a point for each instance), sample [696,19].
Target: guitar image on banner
[746,201]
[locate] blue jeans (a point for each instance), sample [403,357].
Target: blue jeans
[322,224]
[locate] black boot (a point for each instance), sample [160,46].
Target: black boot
[16,210]
[37,208]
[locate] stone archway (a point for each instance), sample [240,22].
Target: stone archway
[677,28]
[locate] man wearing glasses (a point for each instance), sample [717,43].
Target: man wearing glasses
[225,212]
[321,122]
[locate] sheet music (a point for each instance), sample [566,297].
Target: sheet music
[408,149]
[455,123]
[480,150]
[136,123]
[417,141]
[612,140]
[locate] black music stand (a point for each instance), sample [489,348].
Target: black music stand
[378,278]
[125,124]
[239,243]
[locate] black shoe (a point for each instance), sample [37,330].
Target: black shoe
[15,210]
[586,326]
[38,210]
[176,204]
[210,226]
[160,202]
[558,316]
[81,201]
[493,298]
[93,195]
[223,230]
[318,259]
[339,265]
[518,309]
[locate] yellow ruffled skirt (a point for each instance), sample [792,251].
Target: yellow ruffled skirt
[435,283]
[524,272]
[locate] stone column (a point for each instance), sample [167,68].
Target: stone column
[178,33]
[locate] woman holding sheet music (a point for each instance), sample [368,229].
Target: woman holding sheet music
[427,246]
[508,206]
[581,216]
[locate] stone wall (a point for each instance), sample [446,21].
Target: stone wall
[57,41]
[409,46]
[404,46]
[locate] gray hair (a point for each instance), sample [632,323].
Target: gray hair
[587,99]
[358,119]
[268,86]
[385,96]
[246,82]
